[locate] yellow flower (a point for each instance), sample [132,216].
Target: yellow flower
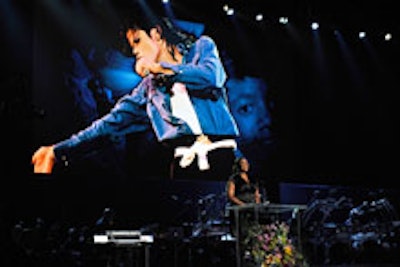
[288,250]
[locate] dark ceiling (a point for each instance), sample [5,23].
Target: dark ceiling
[350,13]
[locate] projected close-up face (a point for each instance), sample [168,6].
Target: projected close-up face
[144,48]
[248,103]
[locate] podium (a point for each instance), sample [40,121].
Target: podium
[265,212]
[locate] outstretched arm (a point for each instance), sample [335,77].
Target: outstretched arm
[127,116]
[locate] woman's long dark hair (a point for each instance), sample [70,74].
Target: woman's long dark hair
[236,168]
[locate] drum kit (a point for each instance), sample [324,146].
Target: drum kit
[336,231]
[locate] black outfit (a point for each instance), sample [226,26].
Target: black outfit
[246,193]
[243,191]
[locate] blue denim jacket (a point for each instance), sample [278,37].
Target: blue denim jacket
[147,105]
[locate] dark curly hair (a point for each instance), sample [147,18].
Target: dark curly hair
[174,35]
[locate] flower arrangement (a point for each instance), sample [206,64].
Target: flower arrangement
[271,246]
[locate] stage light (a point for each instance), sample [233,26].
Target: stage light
[314,25]
[388,36]
[259,17]
[362,35]
[230,11]
[283,20]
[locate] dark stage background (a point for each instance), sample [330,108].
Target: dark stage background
[334,115]
[335,112]
[335,107]
[335,120]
